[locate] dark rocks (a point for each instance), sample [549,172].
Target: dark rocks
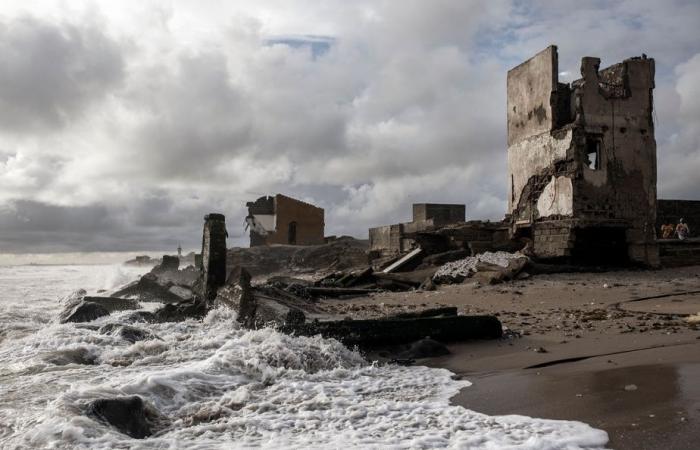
[424,348]
[260,307]
[127,414]
[428,285]
[176,312]
[112,304]
[78,355]
[141,316]
[213,254]
[168,263]
[381,332]
[150,287]
[127,332]
[82,311]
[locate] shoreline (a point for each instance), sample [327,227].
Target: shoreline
[629,370]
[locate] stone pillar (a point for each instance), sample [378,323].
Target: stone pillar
[213,254]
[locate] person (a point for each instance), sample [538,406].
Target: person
[667,231]
[682,230]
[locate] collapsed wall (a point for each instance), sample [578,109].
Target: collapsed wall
[284,220]
[582,160]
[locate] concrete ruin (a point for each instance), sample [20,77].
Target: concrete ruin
[213,254]
[284,220]
[582,160]
[394,239]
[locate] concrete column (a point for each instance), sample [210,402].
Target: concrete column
[213,254]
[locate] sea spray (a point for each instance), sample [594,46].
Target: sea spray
[219,386]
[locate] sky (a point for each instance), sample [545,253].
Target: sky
[123,123]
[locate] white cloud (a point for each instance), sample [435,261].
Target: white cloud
[159,111]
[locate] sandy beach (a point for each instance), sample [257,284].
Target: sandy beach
[578,347]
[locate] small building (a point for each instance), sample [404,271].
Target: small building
[582,159]
[390,239]
[284,220]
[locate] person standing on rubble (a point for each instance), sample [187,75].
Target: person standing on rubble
[682,230]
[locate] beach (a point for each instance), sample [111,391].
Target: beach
[629,368]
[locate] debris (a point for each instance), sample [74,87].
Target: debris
[424,348]
[498,262]
[80,355]
[693,319]
[380,332]
[82,311]
[127,414]
[112,304]
[410,256]
[631,387]
[213,254]
[127,332]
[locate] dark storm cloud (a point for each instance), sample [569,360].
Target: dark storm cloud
[360,107]
[50,73]
[153,224]
[193,117]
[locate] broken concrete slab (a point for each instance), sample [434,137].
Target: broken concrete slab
[112,304]
[129,415]
[382,332]
[404,260]
[213,254]
[82,311]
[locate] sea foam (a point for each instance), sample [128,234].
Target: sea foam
[217,386]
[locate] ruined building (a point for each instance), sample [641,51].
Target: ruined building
[396,238]
[582,159]
[284,220]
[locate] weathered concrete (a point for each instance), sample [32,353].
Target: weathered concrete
[583,157]
[129,415]
[284,220]
[440,213]
[382,332]
[394,239]
[213,254]
[530,86]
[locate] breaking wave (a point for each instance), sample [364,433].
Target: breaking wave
[218,386]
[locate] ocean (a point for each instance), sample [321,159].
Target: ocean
[218,386]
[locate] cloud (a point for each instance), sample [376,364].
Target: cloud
[680,151]
[52,73]
[147,115]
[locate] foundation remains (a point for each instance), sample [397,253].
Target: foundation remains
[394,239]
[582,160]
[213,254]
[284,220]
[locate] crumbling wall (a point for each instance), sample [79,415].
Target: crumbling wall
[614,110]
[590,156]
[438,213]
[262,211]
[308,222]
[386,239]
[530,86]
[533,156]
[213,254]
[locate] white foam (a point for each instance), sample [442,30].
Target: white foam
[223,387]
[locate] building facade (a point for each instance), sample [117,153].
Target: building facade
[582,159]
[284,220]
[391,239]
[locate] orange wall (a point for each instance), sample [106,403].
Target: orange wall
[309,219]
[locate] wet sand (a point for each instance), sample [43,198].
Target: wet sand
[631,368]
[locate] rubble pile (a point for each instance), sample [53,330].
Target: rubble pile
[265,261]
[457,271]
